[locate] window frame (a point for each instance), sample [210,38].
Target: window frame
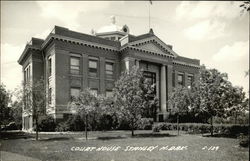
[94,89]
[180,83]
[50,96]
[70,92]
[108,91]
[190,81]
[90,73]
[49,67]
[108,75]
[74,66]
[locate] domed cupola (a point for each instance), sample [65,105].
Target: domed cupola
[112,31]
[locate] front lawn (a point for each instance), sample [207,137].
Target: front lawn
[122,146]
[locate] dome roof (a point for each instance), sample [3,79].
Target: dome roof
[109,28]
[112,27]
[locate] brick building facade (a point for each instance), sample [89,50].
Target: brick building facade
[70,61]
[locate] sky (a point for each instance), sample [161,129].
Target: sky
[215,32]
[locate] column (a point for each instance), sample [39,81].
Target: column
[85,67]
[163,89]
[169,82]
[137,63]
[129,63]
[102,75]
[23,125]
[176,79]
[185,79]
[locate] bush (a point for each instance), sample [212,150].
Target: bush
[244,140]
[123,125]
[63,126]
[107,122]
[46,123]
[157,128]
[198,128]
[145,124]
[73,123]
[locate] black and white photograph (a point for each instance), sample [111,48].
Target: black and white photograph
[124,81]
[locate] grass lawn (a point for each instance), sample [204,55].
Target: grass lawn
[66,147]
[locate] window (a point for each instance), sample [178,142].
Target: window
[190,80]
[94,91]
[74,65]
[74,93]
[150,76]
[173,79]
[93,68]
[27,74]
[180,79]
[50,95]
[109,69]
[49,67]
[109,93]
[112,38]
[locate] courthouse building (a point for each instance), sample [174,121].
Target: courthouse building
[70,61]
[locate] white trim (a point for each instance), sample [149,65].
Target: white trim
[148,51]
[158,41]
[78,41]
[185,64]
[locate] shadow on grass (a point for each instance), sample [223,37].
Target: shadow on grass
[56,139]
[220,135]
[152,135]
[110,137]
[8,135]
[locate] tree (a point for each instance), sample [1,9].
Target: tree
[149,93]
[235,98]
[129,99]
[211,93]
[245,6]
[34,99]
[16,107]
[180,102]
[5,110]
[86,104]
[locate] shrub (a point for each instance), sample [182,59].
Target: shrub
[73,123]
[228,130]
[157,128]
[145,124]
[123,125]
[244,140]
[76,123]
[107,122]
[63,126]
[46,123]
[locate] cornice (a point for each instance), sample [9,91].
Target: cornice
[157,41]
[147,51]
[79,42]
[185,64]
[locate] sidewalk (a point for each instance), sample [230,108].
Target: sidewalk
[8,156]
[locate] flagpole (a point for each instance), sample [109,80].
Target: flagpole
[149,14]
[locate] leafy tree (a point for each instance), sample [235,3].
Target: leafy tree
[34,98]
[245,7]
[129,96]
[149,93]
[212,90]
[16,107]
[5,110]
[234,98]
[180,102]
[86,104]
[108,119]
